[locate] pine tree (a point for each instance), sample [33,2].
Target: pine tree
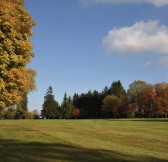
[50,106]
[67,107]
[117,89]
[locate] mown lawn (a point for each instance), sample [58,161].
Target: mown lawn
[84,140]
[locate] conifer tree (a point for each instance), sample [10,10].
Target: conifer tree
[50,105]
[67,107]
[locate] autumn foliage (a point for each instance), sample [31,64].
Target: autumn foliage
[76,112]
[148,100]
[15,52]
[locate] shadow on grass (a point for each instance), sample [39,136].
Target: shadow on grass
[152,120]
[35,151]
[142,120]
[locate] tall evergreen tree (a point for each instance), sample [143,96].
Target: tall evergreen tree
[50,105]
[67,107]
[106,91]
[117,89]
[75,100]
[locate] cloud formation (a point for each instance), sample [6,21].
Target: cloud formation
[148,64]
[164,61]
[139,38]
[157,3]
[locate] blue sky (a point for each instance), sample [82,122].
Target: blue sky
[87,44]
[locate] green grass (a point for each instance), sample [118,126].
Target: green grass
[84,140]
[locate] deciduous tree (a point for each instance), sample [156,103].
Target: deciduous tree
[15,52]
[76,112]
[161,101]
[118,90]
[134,95]
[148,101]
[110,105]
[21,108]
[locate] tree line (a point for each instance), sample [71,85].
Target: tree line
[141,100]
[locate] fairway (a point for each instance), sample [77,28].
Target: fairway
[84,140]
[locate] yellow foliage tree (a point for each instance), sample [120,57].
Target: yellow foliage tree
[15,52]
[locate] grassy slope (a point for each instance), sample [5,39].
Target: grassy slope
[84,140]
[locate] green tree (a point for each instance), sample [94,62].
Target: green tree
[75,99]
[67,107]
[10,113]
[110,105]
[15,52]
[50,106]
[106,91]
[35,114]
[21,108]
[2,114]
[63,106]
[118,90]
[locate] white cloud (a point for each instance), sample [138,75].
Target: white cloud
[164,61]
[148,64]
[140,38]
[157,3]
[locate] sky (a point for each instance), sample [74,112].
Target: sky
[82,45]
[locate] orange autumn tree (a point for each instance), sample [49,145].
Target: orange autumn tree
[161,100]
[15,52]
[148,101]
